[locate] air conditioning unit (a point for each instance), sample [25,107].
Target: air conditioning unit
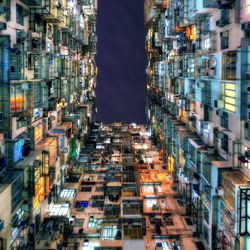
[220,191]
[220,135]
[210,150]
[219,104]
[219,112]
[201,85]
[3,26]
[220,23]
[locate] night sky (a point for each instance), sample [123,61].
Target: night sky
[121,61]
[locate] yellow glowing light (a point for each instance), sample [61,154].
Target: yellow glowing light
[229,107]
[230,100]
[193,32]
[230,93]
[230,86]
[170,164]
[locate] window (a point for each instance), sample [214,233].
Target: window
[109,232]
[148,189]
[207,43]
[224,143]
[225,16]
[19,14]
[229,96]
[229,65]
[151,203]
[89,245]
[92,223]
[206,214]
[224,120]
[38,133]
[20,123]
[206,236]
[247,6]
[207,24]
[224,36]
[16,99]
[68,193]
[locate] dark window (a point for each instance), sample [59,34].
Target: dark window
[206,236]
[224,120]
[207,24]
[224,143]
[224,39]
[225,16]
[206,214]
[19,14]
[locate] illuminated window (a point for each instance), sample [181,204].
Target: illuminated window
[148,189]
[247,152]
[90,245]
[247,6]
[67,193]
[182,159]
[38,133]
[229,96]
[109,232]
[58,210]
[16,99]
[207,43]
[150,203]
[224,120]
[163,245]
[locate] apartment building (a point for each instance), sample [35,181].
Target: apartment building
[198,110]
[47,106]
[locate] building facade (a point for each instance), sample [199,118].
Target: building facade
[47,106]
[198,110]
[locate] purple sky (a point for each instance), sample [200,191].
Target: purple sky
[121,61]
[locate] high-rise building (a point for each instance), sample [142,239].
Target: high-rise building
[198,110]
[47,106]
[182,181]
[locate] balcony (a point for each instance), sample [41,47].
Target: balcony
[52,11]
[205,6]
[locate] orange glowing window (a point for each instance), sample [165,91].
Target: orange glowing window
[38,133]
[16,99]
[181,159]
[170,164]
[193,32]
